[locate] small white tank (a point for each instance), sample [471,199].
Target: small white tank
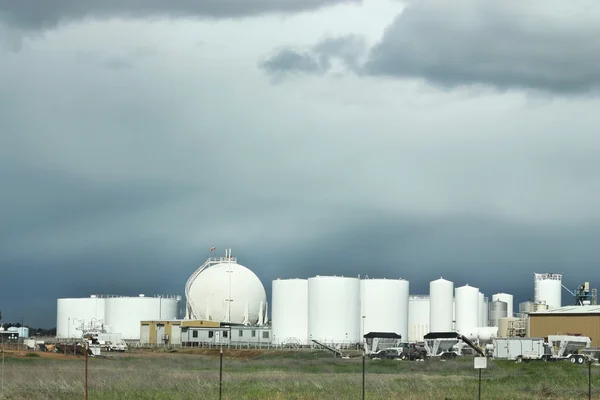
[467,309]
[508,299]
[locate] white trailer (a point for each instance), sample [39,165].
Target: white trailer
[557,347]
[518,348]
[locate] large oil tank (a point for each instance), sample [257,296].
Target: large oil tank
[508,299]
[334,309]
[497,310]
[75,314]
[481,306]
[289,311]
[384,306]
[467,309]
[418,317]
[548,289]
[441,295]
[225,292]
[124,314]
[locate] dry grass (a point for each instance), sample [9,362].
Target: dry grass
[283,375]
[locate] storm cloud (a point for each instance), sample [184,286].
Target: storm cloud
[32,14]
[130,147]
[505,45]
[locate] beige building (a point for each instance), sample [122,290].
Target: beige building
[170,332]
[571,320]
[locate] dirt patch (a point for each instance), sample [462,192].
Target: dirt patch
[40,354]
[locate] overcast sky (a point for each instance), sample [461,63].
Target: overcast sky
[392,139]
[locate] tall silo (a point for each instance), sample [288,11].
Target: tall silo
[480,312]
[441,294]
[289,311]
[467,309]
[384,306]
[486,312]
[418,317]
[508,299]
[74,315]
[498,309]
[334,309]
[548,289]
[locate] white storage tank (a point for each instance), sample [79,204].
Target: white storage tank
[384,306]
[289,311]
[226,292]
[486,312]
[124,314]
[75,314]
[441,311]
[548,289]
[481,307]
[508,299]
[334,309]
[497,310]
[418,317]
[467,309]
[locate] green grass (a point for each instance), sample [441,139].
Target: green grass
[288,375]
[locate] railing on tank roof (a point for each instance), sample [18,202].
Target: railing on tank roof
[112,296]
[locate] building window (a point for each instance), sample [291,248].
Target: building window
[241,333]
[253,333]
[195,334]
[265,335]
[211,334]
[224,334]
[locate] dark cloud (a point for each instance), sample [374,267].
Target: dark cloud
[33,14]
[505,45]
[318,59]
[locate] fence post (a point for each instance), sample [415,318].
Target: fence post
[589,379]
[85,348]
[221,375]
[363,381]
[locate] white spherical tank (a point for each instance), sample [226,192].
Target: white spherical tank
[441,295]
[334,309]
[486,334]
[481,306]
[224,292]
[289,311]
[124,314]
[548,289]
[467,309]
[384,306]
[74,315]
[418,317]
[508,299]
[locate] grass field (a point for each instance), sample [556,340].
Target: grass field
[252,374]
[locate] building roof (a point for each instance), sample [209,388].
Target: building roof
[569,310]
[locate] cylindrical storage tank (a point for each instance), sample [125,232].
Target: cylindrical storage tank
[384,306]
[486,334]
[124,314]
[467,309]
[224,292]
[480,306]
[418,317]
[441,295]
[503,324]
[508,299]
[289,311]
[75,315]
[486,312]
[548,289]
[334,309]
[497,310]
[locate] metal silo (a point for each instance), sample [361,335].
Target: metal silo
[486,312]
[467,309]
[334,309]
[548,289]
[384,306]
[289,311]
[124,314]
[441,295]
[418,318]
[508,299]
[498,309]
[74,315]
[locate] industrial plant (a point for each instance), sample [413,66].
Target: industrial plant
[226,304]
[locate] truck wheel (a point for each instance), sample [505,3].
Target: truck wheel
[573,360]
[519,359]
[580,360]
